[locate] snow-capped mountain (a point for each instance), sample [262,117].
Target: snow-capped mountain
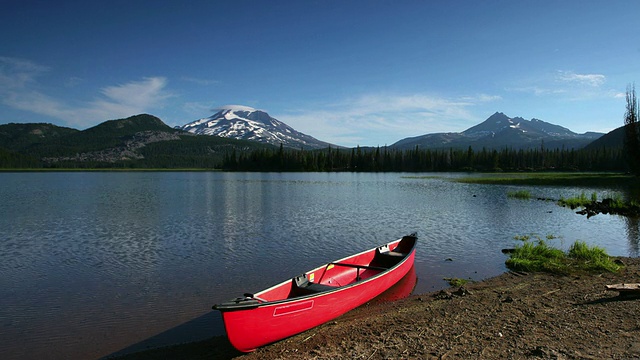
[246,123]
[500,131]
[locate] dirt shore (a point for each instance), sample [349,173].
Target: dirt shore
[511,316]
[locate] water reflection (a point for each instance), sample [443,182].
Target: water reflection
[633,224]
[400,290]
[122,257]
[633,234]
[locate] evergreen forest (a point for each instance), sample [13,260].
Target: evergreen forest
[384,159]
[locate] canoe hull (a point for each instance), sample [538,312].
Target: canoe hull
[248,329]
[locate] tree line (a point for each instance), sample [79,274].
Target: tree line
[385,159]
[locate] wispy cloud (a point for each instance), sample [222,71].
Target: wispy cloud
[536,90]
[564,85]
[199,81]
[73,81]
[20,89]
[195,108]
[385,118]
[18,73]
[581,79]
[132,97]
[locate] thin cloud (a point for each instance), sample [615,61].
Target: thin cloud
[594,80]
[16,73]
[384,117]
[563,85]
[536,90]
[73,81]
[132,97]
[20,90]
[200,81]
[195,108]
[483,98]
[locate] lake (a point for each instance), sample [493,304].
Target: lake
[92,263]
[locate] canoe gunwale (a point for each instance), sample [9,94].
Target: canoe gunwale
[250,302]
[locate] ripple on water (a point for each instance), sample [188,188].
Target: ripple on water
[86,256]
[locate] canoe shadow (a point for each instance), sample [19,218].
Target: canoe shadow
[191,340]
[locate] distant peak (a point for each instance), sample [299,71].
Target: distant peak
[498,116]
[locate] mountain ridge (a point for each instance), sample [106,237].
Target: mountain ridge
[246,123]
[500,130]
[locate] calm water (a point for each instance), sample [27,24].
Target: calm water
[92,263]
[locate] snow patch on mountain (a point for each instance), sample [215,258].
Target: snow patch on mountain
[246,123]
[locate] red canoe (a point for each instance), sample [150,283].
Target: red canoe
[316,296]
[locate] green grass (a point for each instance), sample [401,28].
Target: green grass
[456,282]
[528,237]
[556,179]
[520,194]
[576,201]
[615,203]
[618,203]
[536,257]
[540,257]
[591,258]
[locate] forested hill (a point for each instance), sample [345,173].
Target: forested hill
[140,141]
[19,136]
[613,139]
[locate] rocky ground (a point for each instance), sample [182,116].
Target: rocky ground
[512,316]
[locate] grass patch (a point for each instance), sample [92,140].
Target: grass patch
[577,201]
[536,257]
[528,237]
[610,205]
[520,194]
[540,257]
[425,177]
[592,258]
[456,282]
[556,179]
[522,237]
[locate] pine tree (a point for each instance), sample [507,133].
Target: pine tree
[632,138]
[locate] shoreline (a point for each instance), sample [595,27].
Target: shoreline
[512,315]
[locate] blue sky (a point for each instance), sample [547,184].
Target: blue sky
[346,72]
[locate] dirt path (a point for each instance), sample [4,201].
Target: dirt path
[512,316]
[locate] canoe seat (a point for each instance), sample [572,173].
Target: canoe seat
[388,258]
[303,286]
